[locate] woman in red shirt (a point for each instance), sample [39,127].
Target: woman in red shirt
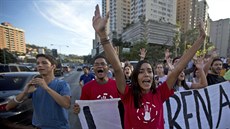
[143,102]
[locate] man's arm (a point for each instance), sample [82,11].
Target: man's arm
[20,97]
[203,81]
[81,81]
[207,65]
[17,100]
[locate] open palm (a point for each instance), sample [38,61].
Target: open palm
[99,23]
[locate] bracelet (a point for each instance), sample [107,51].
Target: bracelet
[15,100]
[104,41]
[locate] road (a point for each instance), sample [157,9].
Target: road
[73,78]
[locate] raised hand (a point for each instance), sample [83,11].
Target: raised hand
[167,54]
[99,23]
[76,108]
[116,50]
[199,63]
[28,87]
[142,54]
[214,53]
[201,29]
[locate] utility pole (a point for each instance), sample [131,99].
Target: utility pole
[4,55]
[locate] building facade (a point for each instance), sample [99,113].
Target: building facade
[153,32]
[152,21]
[119,16]
[202,14]
[220,36]
[186,14]
[158,10]
[12,38]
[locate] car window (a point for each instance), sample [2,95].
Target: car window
[13,68]
[4,68]
[12,83]
[24,68]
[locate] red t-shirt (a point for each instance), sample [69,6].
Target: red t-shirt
[93,90]
[150,114]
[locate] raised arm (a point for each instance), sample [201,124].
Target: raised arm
[203,81]
[172,77]
[142,54]
[207,65]
[99,25]
[168,61]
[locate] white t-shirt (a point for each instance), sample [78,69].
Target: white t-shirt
[181,88]
[161,79]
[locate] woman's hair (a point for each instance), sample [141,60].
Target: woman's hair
[136,89]
[174,59]
[183,84]
[130,66]
[194,72]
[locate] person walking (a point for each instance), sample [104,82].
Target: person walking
[86,77]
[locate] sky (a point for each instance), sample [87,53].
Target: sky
[66,25]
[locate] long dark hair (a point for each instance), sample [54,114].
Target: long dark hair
[183,84]
[136,89]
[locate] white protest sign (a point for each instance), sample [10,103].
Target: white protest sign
[99,114]
[206,108]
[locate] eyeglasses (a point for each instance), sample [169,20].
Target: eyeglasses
[100,64]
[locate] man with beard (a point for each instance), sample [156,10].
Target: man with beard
[100,88]
[213,77]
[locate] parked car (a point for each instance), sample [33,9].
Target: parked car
[58,71]
[11,84]
[13,68]
[66,69]
[79,69]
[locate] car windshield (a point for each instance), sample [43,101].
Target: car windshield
[12,83]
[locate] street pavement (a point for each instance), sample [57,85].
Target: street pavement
[73,79]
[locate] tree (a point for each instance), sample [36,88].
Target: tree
[6,57]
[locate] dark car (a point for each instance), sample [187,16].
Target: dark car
[79,69]
[58,71]
[11,84]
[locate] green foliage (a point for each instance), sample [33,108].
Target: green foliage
[155,53]
[134,50]
[7,57]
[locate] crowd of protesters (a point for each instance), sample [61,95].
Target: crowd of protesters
[137,86]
